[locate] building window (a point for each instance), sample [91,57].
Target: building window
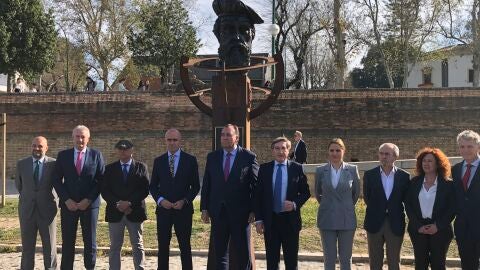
[427,75]
[444,73]
[470,75]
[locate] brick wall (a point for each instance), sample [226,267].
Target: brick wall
[411,118]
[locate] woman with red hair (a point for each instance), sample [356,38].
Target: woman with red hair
[430,206]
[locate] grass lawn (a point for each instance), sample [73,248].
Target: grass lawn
[309,236]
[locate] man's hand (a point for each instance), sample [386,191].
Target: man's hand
[128,211]
[166,204]
[83,204]
[251,217]
[178,205]
[71,205]
[288,206]
[260,227]
[123,205]
[432,229]
[205,216]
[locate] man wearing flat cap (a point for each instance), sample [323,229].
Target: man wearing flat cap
[124,188]
[234,29]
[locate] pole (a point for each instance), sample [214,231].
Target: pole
[4,165]
[273,42]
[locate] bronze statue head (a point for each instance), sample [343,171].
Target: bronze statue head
[234,29]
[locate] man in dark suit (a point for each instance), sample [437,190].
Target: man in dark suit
[466,182]
[78,172]
[281,191]
[174,185]
[37,205]
[384,190]
[124,187]
[299,153]
[227,198]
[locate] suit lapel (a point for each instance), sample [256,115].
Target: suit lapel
[475,178]
[269,182]
[180,165]
[380,184]
[439,194]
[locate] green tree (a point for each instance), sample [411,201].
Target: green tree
[162,36]
[373,74]
[27,38]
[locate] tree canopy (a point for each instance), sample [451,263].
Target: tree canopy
[162,35]
[27,37]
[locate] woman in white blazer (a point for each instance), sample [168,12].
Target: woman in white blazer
[337,187]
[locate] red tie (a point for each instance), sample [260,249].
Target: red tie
[466,176]
[78,163]
[226,167]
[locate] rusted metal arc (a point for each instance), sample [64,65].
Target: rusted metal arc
[277,88]
[187,86]
[264,90]
[193,62]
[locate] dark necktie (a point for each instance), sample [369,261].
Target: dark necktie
[277,192]
[125,172]
[36,172]
[171,164]
[466,176]
[226,167]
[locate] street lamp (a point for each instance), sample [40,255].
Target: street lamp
[273,29]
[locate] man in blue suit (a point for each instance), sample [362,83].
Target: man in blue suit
[466,182]
[174,185]
[227,198]
[78,173]
[282,190]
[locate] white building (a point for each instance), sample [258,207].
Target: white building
[3,83]
[447,67]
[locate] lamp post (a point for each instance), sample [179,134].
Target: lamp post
[273,29]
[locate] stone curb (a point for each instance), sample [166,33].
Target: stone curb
[302,256]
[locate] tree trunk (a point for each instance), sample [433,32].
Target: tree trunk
[9,83]
[340,46]
[476,43]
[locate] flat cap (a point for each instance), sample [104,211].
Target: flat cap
[124,144]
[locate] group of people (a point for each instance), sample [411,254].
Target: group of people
[432,199]
[237,191]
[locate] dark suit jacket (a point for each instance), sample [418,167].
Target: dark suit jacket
[69,185]
[135,190]
[300,153]
[378,207]
[236,194]
[467,220]
[443,207]
[297,191]
[185,184]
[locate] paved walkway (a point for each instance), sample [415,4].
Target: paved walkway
[9,261]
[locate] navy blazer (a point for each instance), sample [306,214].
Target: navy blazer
[467,220]
[297,191]
[299,153]
[69,185]
[378,207]
[235,194]
[134,190]
[443,207]
[184,185]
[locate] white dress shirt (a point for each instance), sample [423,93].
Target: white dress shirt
[335,175]
[426,198]
[387,181]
